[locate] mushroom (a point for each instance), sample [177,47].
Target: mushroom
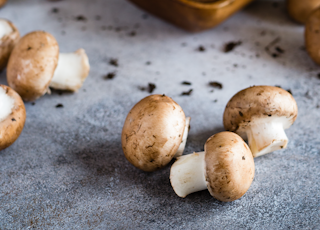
[261,114]
[154,131]
[12,116]
[35,64]
[9,36]
[301,10]
[312,36]
[226,168]
[2,3]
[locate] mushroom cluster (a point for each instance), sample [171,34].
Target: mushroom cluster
[155,131]
[33,65]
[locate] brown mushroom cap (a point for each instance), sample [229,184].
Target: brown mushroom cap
[32,64]
[11,127]
[300,10]
[258,102]
[152,132]
[312,36]
[2,3]
[7,44]
[229,166]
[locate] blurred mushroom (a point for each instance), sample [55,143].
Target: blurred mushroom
[300,10]
[12,116]
[312,36]
[9,36]
[2,3]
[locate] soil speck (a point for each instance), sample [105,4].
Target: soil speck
[216,84]
[187,93]
[231,46]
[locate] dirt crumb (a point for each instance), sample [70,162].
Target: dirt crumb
[59,106]
[201,49]
[231,46]
[114,62]
[110,76]
[187,93]
[81,18]
[215,84]
[151,87]
[55,10]
[186,83]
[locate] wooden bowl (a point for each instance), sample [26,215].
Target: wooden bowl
[192,15]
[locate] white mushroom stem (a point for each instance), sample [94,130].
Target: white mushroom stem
[267,137]
[184,139]
[187,174]
[6,104]
[5,28]
[72,70]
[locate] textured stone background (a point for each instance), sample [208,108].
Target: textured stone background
[67,169]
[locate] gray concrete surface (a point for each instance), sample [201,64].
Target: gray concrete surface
[67,169]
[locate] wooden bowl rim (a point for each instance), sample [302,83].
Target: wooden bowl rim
[210,6]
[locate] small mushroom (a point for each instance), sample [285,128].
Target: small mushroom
[226,168]
[312,36]
[154,132]
[261,114]
[35,64]
[12,116]
[9,36]
[2,3]
[301,10]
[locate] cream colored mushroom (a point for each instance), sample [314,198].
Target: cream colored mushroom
[9,36]
[35,64]
[261,114]
[154,132]
[225,168]
[12,116]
